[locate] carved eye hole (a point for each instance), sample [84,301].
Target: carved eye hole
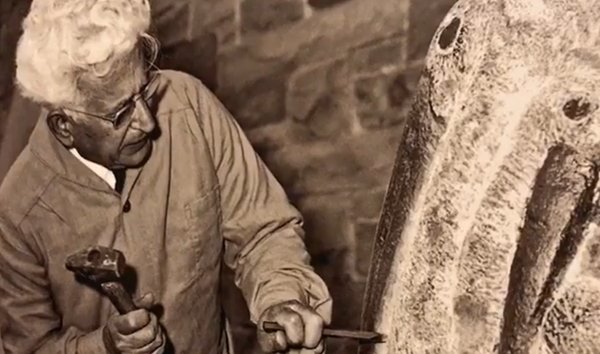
[449,34]
[578,108]
[94,256]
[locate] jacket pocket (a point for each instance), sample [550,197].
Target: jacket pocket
[203,239]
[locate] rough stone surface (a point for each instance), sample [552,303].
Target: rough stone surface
[291,82]
[266,15]
[481,247]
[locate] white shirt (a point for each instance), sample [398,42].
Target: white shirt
[107,175]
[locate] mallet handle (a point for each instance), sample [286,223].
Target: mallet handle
[119,297]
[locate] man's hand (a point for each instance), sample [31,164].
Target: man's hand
[303,329]
[137,332]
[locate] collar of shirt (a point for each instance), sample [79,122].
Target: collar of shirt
[107,175]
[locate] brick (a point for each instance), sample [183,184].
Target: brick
[311,84]
[330,116]
[326,222]
[384,100]
[234,305]
[380,54]
[219,17]
[268,139]
[306,87]
[226,31]
[368,204]
[329,242]
[347,295]
[239,67]
[350,16]
[181,21]
[342,346]
[12,13]
[334,267]
[259,99]
[365,234]
[424,18]
[266,15]
[171,21]
[348,169]
[351,163]
[324,35]
[328,171]
[197,57]
[380,99]
[321,4]
[20,121]
[260,103]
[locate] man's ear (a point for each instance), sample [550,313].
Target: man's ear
[61,126]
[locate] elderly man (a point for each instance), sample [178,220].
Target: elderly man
[149,162]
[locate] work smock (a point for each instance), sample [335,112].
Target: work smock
[204,198]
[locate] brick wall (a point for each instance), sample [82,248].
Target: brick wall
[322,88]
[11,13]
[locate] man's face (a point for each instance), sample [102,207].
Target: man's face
[125,144]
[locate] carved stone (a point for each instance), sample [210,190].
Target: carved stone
[487,241]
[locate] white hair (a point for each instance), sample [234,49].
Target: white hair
[64,40]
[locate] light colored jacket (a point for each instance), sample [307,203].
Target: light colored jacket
[204,197]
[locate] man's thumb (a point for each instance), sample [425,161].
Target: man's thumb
[145,302]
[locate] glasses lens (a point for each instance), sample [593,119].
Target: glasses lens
[124,114]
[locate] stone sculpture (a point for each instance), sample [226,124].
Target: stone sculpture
[488,238]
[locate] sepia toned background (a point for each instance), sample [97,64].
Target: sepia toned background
[321,87]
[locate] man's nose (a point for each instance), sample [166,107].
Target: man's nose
[142,117]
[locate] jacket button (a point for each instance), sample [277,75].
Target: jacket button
[126,206]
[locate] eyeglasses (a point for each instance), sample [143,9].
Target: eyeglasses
[126,110]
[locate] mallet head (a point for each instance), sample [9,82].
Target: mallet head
[97,263]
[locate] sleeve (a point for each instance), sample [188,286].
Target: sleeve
[28,322]
[264,239]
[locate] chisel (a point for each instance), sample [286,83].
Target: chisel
[362,336]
